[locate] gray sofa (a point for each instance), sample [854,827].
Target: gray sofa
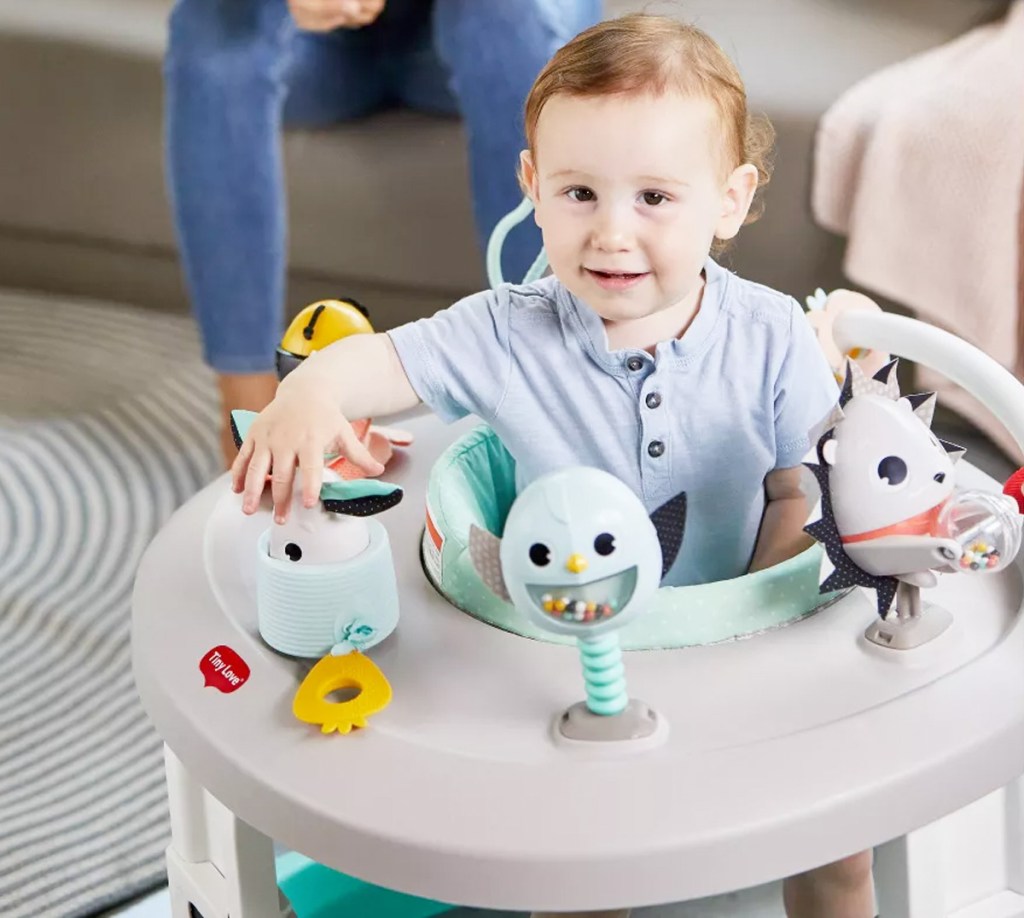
[82,206]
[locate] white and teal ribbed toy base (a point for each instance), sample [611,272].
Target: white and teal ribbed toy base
[305,610]
[473,481]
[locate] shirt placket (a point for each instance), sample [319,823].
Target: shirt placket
[655,441]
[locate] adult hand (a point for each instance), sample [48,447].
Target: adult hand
[326,15]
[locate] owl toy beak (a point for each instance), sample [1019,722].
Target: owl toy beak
[576,564]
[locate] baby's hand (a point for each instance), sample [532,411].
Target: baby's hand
[296,428]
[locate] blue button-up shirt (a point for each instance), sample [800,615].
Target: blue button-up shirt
[711,413]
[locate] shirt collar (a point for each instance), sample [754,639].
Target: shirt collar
[581,321]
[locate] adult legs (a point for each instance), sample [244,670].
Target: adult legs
[842,889]
[233,70]
[237,70]
[493,51]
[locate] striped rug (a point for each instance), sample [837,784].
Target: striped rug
[107,424]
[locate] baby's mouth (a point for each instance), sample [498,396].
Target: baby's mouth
[616,281]
[617,275]
[587,603]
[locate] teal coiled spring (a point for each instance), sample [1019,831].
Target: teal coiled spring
[603,674]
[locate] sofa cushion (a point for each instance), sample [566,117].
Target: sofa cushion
[384,198]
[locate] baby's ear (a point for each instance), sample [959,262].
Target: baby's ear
[528,176]
[737,196]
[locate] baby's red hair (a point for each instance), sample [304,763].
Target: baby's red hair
[641,54]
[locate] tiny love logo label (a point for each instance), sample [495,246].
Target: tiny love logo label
[224,669]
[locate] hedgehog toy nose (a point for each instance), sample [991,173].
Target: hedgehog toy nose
[939,477]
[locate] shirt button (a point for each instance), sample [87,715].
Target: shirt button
[655,448]
[635,363]
[653,399]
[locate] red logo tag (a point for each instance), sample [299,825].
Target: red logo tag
[224,669]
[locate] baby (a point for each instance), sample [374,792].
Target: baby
[638,354]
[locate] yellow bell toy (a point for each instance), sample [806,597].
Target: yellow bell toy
[316,326]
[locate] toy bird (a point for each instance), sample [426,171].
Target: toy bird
[580,556]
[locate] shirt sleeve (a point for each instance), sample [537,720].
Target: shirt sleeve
[458,360]
[805,391]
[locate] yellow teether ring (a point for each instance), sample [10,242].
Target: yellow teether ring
[350,671]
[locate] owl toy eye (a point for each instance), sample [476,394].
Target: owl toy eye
[540,554]
[892,470]
[604,544]
[293,551]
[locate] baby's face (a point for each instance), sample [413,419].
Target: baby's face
[630,192]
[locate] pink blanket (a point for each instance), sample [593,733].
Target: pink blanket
[921,166]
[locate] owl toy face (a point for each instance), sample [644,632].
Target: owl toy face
[579,554]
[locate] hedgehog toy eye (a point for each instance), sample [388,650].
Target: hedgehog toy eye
[540,554]
[892,470]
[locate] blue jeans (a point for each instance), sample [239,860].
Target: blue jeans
[237,71]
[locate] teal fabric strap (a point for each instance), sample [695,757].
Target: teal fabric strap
[359,487]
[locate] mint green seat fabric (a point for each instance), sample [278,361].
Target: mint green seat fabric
[473,481]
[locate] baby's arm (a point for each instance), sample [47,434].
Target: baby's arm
[805,393]
[782,533]
[356,377]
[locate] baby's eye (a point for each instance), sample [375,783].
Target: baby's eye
[582,195]
[653,198]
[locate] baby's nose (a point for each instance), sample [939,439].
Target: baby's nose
[610,239]
[611,232]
